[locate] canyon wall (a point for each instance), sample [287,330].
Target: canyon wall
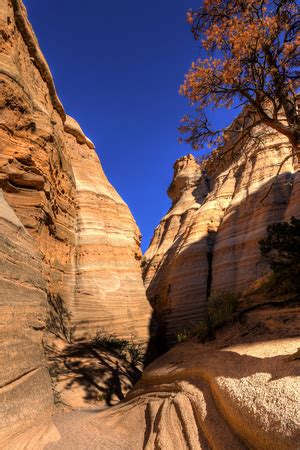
[70,266]
[208,240]
[25,387]
[68,236]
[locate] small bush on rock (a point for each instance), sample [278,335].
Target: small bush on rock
[202,330]
[183,335]
[281,248]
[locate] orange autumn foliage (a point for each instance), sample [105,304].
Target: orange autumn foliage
[252,55]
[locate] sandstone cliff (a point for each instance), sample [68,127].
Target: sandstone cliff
[70,266]
[208,240]
[51,176]
[68,236]
[25,388]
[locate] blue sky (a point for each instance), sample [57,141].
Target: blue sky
[117,67]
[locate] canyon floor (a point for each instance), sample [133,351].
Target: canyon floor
[199,398]
[239,391]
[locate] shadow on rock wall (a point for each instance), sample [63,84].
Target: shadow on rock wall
[87,373]
[227,260]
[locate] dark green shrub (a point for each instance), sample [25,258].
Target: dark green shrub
[281,248]
[136,354]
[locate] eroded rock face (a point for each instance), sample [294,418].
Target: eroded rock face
[208,241]
[79,242]
[52,178]
[25,387]
[197,398]
[109,291]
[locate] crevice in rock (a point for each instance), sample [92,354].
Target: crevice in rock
[211,239]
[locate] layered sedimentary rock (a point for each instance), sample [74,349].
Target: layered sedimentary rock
[208,241]
[25,387]
[77,237]
[52,178]
[69,257]
[109,291]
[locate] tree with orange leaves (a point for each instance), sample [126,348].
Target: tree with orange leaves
[252,55]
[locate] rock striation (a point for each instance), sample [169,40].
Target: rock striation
[109,291]
[51,176]
[208,240]
[25,387]
[74,238]
[70,266]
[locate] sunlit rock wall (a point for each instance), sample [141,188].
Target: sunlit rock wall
[109,293]
[208,240]
[25,388]
[72,249]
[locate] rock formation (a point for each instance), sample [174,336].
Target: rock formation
[198,398]
[25,387]
[238,391]
[70,267]
[68,237]
[51,176]
[208,240]
[233,393]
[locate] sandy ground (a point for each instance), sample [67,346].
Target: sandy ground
[77,431]
[200,397]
